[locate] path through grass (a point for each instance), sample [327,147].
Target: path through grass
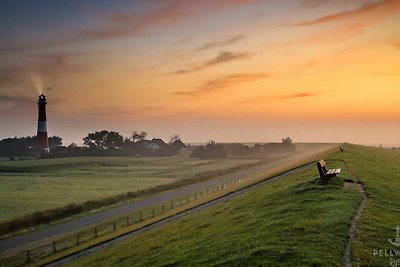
[379,171]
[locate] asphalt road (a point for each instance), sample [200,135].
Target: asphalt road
[105,215]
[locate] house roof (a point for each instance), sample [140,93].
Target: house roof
[158,141]
[179,144]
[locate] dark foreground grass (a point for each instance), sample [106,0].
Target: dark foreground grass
[290,222]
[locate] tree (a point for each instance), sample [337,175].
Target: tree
[54,141]
[287,144]
[211,151]
[174,138]
[17,146]
[287,140]
[72,145]
[138,136]
[103,140]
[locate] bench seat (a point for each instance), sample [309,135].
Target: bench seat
[333,171]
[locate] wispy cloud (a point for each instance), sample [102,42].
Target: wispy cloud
[385,7]
[46,66]
[8,98]
[348,24]
[222,57]
[220,43]
[319,3]
[223,82]
[127,24]
[134,23]
[396,44]
[16,104]
[225,56]
[266,99]
[297,95]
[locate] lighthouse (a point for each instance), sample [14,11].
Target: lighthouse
[41,138]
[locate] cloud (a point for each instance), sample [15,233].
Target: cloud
[223,82]
[261,100]
[222,57]
[126,24]
[220,43]
[297,95]
[45,68]
[318,3]
[225,57]
[134,23]
[19,104]
[396,44]
[348,24]
[7,98]
[385,7]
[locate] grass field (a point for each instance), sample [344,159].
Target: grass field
[292,222]
[30,185]
[379,171]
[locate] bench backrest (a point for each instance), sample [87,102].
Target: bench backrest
[321,168]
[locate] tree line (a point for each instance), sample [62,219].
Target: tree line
[98,143]
[112,143]
[213,150]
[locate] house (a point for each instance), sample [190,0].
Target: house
[178,145]
[155,144]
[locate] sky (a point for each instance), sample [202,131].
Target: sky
[230,71]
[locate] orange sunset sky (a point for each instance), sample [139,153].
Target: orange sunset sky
[314,70]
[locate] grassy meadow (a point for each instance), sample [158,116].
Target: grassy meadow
[290,222]
[31,185]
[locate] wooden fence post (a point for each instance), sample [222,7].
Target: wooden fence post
[114,226]
[153,213]
[28,255]
[54,247]
[163,208]
[77,239]
[95,232]
[141,217]
[195,195]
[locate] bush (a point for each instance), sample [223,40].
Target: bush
[211,151]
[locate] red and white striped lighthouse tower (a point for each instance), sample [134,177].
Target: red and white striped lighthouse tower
[41,138]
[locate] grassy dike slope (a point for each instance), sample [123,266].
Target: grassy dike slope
[379,171]
[290,222]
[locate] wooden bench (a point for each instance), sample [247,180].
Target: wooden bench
[326,174]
